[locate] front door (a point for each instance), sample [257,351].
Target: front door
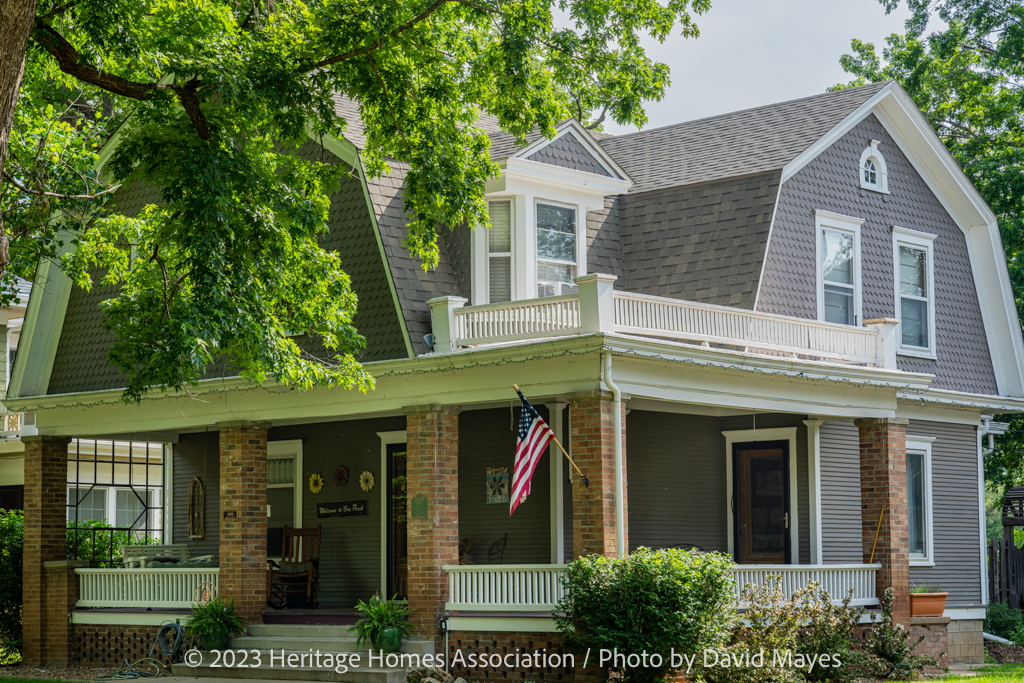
[397,541]
[761,502]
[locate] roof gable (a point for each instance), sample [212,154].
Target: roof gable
[573,148]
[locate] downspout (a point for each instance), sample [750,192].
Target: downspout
[620,544]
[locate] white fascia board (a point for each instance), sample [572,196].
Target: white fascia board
[585,139]
[40,333]
[567,178]
[964,400]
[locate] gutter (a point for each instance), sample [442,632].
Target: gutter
[606,375]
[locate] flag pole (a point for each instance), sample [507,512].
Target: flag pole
[586,481]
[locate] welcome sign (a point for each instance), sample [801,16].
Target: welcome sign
[349,508]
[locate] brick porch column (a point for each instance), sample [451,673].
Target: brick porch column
[883,482]
[243,517]
[593,449]
[432,485]
[46,634]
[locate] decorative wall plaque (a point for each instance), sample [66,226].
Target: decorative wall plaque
[348,508]
[316,482]
[341,475]
[497,485]
[366,480]
[419,506]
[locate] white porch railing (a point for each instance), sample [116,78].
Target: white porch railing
[505,587]
[538,587]
[598,308]
[142,587]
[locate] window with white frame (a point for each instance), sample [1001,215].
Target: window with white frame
[133,507]
[838,248]
[499,252]
[915,291]
[556,249]
[92,504]
[919,504]
[873,173]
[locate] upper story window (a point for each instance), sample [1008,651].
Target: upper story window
[915,291]
[556,249]
[499,251]
[873,175]
[838,247]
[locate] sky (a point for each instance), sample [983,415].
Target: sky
[754,52]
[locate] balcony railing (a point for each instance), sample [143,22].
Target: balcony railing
[174,588]
[538,587]
[598,308]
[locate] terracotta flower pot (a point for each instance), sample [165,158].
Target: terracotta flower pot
[927,604]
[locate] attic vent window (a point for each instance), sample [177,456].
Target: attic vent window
[873,175]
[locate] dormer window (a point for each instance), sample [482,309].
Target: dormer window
[873,175]
[556,249]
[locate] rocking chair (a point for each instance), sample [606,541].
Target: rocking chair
[299,571]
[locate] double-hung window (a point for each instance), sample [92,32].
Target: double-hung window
[915,291]
[499,251]
[556,249]
[919,505]
[838,248]
[91,504]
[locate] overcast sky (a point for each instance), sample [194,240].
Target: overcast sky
[754,52]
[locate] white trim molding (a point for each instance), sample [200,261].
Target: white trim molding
[753,435]
[291,448]
[826,220]
[921,241]
[814,486]
[923,445]
[386,439]
[872,154]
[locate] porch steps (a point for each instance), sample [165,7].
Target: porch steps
[363,674]
[302,638]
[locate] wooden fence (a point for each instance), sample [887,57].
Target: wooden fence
[1006,572]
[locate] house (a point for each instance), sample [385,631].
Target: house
[778,334]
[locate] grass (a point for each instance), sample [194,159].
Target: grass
[991,674]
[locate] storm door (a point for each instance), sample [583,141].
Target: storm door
[761,502]
[397,511]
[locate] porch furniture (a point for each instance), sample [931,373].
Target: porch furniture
[496,553]
[299,571]
[136,555]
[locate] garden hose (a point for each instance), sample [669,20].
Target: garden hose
[128,671]
[179,639]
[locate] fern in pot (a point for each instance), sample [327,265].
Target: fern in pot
[213,623]
[383,623]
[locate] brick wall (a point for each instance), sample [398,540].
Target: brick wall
[111,645]
[936,640]
[593,449]
[432,471]
[966,643]
[46,632]
[502,644]
[883,482]
[243,517]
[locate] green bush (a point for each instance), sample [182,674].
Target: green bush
[829,631]
[892,647]
[96,541]
[212,623]
[1001,620]
[11,535]
[647,601]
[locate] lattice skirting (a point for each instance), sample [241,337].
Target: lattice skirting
[110,645]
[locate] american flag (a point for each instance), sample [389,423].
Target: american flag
[534,437]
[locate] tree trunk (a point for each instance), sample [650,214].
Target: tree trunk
[16,19]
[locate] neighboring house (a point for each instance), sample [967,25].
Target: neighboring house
[798,317]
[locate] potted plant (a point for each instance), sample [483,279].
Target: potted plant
[383,623]
[213,623]
[927,601]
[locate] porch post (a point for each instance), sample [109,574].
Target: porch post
[883,482]
[432,489]
[243,517]
[47,630]
[593,449]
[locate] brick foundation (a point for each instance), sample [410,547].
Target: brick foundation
[936,640]
[47,633]
[503,644]
[593,449]
[883,482]
[432,471]
[243,517]
[966,643]
[103,645]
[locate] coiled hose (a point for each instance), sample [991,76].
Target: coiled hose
[152,667]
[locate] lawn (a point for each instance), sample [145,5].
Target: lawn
[991,674]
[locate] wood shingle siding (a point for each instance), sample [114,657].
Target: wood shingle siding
[568,152]
[830,182]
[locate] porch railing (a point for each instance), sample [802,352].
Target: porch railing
[599,308]
[538,587]
[142,587]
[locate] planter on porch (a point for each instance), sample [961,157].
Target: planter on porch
[927,604]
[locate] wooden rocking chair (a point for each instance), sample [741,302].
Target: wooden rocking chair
[299,571]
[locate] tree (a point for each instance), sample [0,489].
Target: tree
[211,98]
[968,79]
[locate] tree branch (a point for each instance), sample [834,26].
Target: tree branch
[58,195]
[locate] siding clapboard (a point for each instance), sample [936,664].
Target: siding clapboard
[198,455]
[841,530]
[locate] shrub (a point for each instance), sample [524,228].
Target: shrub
[1001,620]
[97,541]
[213,623]
[11,534]
[647,601]
[892,647]
[829,631]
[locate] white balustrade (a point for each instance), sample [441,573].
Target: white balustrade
[556,316]
[691,321]
[538,587]
[505,587]
[142,587]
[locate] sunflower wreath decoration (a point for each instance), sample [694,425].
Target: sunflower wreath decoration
[316,482]
[341,475]
[366,480]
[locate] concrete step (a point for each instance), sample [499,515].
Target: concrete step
[277,670]
[301,631]
[303,645]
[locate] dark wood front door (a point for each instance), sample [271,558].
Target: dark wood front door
[761,482]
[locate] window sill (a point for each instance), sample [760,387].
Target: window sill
[873,188]
[916,353]
[922,563]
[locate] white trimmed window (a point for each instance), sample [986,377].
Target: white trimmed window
[873,174]
[919,499]
[499,251]
[838,256]
[915,291]
[556,249]
[92,505]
